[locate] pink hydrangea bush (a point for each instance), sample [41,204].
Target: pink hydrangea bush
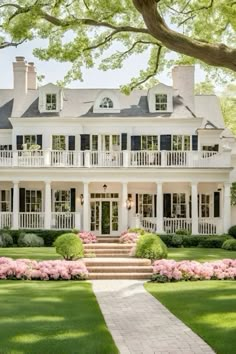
[87,237]
[169,270]
[27,269]
[128,237]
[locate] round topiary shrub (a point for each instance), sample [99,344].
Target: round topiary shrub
[177,240]
[30,240]
[69,246]
[229,245]
[5,239]
[232,231]
[150,246]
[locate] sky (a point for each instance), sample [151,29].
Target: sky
[93,78]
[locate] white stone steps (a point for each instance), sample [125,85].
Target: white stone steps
[90,262]
[120,269]
[140,276]
[109,246]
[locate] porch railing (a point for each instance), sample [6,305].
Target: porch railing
[210,226]
[62,221]
[149,224]
[31,220]
[151,159]
[5,220]
[171,225]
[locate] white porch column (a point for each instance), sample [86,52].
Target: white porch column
[160,220]
[15,218]
[124,211]
[194,209]
[48,205]
[227,207]
[86,213]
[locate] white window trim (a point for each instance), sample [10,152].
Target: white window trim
[103,94]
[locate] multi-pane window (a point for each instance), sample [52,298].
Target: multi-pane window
[115,218]
[210,147]
[5,200]
[149,142]
[111,142]
[179,205]
[28,141]
[62,201]
[205,205]
[5,147]
[181,142]
[106,103]
[51,102]
[94,142]
[33,201]
[161,102]
[58,142]
[146,205]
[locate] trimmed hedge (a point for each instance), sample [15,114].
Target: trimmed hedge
[229,245]
[232,231]
[150,246]
[204,241]
[49,236]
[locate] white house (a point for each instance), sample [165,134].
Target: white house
[98,160]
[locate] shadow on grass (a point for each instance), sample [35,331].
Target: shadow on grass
[200,254]
[52,317]
[208,307]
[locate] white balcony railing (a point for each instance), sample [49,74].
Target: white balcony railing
[210,226]
[133,159]
[5,220]
[62,221]
[171,225]
[31,220]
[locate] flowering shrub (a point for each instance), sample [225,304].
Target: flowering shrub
[128,237]
[27,269]
[170,270]
[87,237]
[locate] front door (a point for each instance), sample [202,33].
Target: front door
[104,217]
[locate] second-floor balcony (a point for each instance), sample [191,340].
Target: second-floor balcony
[115,159]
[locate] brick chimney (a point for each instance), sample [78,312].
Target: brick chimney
[183,82]
[20,71]
[32,77]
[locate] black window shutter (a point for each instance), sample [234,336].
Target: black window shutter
[40,141]
[135,142]
[22,200]
[84,142]
[155,205]
[136,203]
[194,142]
[123,141]
[71,142]
[216,147]
[167,205]
[72,200]
[216,204]
[10,147]
[19,142]
[165,142]
[11,199]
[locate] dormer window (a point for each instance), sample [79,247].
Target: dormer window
[161,102]
[51,101]
[106,103]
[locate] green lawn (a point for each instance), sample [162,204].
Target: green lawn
[198,254]
[208,307]
[51,317]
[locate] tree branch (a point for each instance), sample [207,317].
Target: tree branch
[11,44]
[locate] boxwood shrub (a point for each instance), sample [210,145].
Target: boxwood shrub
[150,246]
[232,231]
[229,245]
[204,241]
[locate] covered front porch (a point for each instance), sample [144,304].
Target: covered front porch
[109,208]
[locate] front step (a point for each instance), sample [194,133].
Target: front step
[107,239]
[92,262]
[140,276]
[120,269]
[116,246]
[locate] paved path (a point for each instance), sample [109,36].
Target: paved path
[141,324]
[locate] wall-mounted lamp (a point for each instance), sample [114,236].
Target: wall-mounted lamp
[81,199]
[104,187]
[129,202]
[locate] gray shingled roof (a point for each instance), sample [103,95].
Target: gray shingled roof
[33,111]
[5,113]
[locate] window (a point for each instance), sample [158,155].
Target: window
[110,142]
[58,142]
[33,201]
[51,101]
[5,201]
[149,142]
[28,141]
[94,142]
[179,205]
[146,205]
[5,147]
[181,143]
[104,195]
[210,147]
[161,102]
[62,201]
[204,205]
[106,103]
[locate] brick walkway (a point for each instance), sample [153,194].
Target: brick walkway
[141,324]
